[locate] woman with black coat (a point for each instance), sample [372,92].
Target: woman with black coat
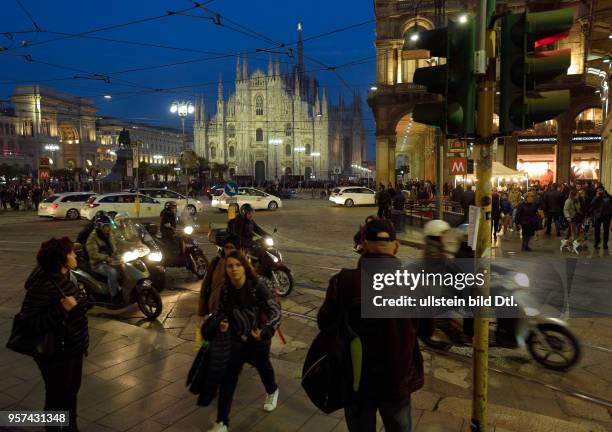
[54,303]
[253,315]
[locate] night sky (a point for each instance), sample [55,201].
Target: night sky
[274,21]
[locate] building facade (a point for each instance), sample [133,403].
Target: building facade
[279,123]
[157,145]
[46,123]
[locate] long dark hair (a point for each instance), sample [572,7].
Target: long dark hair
[249,271]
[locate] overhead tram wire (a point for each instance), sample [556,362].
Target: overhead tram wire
[36,26]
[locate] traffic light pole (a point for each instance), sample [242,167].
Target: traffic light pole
[484,145]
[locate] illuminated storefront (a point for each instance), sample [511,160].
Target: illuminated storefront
[537,157]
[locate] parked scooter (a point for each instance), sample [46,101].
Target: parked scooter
[134,279]
[189,256]
[549,340]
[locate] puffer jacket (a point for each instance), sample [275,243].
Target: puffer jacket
[97,249]
[42,310]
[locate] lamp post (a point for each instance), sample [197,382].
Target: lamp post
[314,155]
[52,148]
[275,142]
[299,151]
[183,108]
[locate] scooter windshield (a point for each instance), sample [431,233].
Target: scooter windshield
[185,219]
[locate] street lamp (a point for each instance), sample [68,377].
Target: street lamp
[299,150]
[275,142]
[315,154]
[182,109]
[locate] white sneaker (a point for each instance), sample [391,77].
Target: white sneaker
[271,401]
[218,427]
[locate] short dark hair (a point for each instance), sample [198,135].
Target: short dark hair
[249,271]
[53,254]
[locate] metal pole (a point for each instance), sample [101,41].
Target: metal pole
[440,174]
[486,95]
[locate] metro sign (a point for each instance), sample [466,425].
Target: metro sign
[458,166]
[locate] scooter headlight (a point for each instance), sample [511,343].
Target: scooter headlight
[155,256]
[521,280]
[188,230]
[129,256]
[269,241]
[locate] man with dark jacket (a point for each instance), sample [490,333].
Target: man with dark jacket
[245,228]
[601,208]
[383,198]
[553,202]
[392,367]
[467,199]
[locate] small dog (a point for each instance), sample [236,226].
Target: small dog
[571,246]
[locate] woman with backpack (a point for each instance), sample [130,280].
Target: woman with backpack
[253,317]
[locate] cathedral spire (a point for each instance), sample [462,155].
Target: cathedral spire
[317,106]
[324,104]
[238,70]
[245,69]
[277,68]
[270,69]
[300,47]
[220,90]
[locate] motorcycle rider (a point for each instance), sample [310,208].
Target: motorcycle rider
[168,225]
[101,246]
[87,229]
[246,228]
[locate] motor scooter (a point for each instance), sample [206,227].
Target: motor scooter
[189,255]
[134,279]
[549,340]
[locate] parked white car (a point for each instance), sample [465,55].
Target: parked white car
[164,195]
[114,203]
[64,205]
[258,199]
[350,196]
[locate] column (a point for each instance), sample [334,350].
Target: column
[391,154]
[565,129]
[384,143]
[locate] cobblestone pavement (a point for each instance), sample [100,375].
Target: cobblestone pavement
[134,375]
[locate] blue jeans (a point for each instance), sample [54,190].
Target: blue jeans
[361,414]
[112,275]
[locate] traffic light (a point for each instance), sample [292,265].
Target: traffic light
[522,66]
[455,80]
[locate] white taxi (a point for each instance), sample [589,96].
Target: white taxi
[259,200]
[113,203]
[164,195]
[350,196]
[64,205]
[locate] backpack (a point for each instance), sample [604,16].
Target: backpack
[326,379]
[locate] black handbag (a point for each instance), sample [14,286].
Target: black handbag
[26,341]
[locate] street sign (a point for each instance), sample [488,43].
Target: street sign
[43,162]
[458,166]
[456,146]
[231,189]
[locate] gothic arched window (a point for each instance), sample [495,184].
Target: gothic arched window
[288,150]
[213,152]
[307,146]
[288,129]
[232,152]
[231,131]
[259,109]
[259,135]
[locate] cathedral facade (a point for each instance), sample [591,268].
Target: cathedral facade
[279,124]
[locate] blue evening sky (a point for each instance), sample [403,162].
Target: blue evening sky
[272,20]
